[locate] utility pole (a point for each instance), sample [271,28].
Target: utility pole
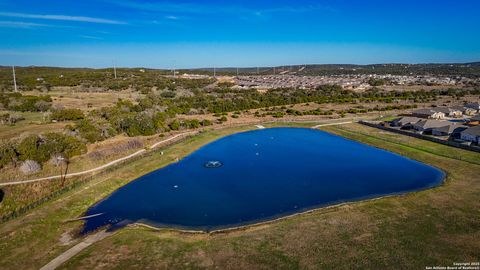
[174,72]
[237,71]
[115,70]
[14,79]
[214,72]
[273,70]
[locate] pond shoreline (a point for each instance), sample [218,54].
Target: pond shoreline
[401,185]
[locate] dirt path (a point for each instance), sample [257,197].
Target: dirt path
[333,124]
[62,258]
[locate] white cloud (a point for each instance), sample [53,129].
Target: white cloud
[193,8]
[171,17]
[60,18]
[21,24]
[91,37]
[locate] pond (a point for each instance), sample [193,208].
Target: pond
[257,176]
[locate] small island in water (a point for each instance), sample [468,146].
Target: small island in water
[257,176]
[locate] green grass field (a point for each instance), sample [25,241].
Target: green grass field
[434,227]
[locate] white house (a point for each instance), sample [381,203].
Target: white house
[450,112]
[428,113]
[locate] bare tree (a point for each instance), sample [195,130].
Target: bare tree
[30,167]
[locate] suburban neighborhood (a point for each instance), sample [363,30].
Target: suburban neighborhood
[457,123]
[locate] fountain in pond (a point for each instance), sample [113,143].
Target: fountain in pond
[213,164]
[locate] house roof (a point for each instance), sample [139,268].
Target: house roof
[445,110]
[407,120]
[462,108]
[474,105]
[426,124]
[424,111]
[475,118]
[473,131]
[448,129]
[459,108]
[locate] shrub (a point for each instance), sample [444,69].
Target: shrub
[30,149]
[67,114]
[11,119]
[206,122]
[222,119]
[89,131]
[174,125]
[8,153]
[192,123]
[41,148]
[18,102]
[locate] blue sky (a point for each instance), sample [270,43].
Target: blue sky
[163,34]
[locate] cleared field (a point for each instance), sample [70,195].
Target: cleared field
[434,227]
[34,123]
[71,97]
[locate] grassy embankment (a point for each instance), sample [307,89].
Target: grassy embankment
[433,227]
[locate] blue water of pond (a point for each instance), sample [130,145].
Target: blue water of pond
[257,176]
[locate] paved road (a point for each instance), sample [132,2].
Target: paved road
[62,258]
[111,163]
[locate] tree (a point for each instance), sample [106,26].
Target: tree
[29,149]
[89,131]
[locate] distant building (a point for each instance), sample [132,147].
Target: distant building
[428,113]
[465,110]
[471,134]
[449,112]
[473,105]
[474,121]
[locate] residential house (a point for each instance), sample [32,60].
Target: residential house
[465,110]
[471,134]
[428,113]
[449,112]
[426,125]
[473,105]
[474,121]
[405,121]
[452,129]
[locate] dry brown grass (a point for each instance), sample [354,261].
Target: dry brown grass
[72,97]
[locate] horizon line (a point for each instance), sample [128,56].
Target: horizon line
[250,67]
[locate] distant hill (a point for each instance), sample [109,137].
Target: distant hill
[452,69]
